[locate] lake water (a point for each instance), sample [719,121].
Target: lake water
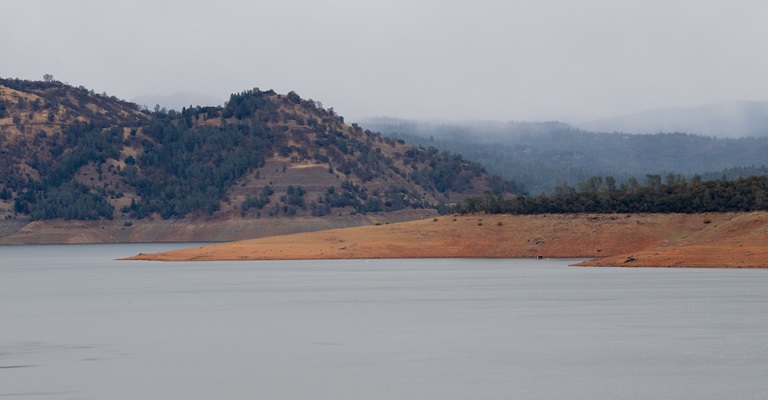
[75,324]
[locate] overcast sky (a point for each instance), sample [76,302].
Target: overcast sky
[481,59]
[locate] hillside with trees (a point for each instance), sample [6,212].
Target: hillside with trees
[71,153]
[543,156]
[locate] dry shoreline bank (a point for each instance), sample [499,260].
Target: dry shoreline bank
[222,229]
[728,240]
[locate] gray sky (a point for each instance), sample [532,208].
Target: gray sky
[482,59]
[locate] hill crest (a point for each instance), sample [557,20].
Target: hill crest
[80,155]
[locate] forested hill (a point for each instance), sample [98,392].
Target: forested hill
[67,152]
[542,156]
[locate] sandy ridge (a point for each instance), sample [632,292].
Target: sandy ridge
[648,240]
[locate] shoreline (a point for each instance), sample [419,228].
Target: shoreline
[713,240]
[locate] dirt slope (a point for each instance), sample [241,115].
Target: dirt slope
[741,241]
[711,240]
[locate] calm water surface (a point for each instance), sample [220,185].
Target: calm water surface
[75,324]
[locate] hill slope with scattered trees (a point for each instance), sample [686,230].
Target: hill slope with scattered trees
[71,153]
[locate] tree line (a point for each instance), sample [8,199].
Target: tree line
[597,195]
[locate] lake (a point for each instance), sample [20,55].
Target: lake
[76,324]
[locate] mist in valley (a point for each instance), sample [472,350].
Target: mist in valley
[544,155]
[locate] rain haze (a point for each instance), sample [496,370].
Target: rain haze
[455,60]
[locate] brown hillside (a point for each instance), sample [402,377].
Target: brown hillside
[32,107]
[263,155]
[314,157]
[740,241]
[678,240]
[32,130]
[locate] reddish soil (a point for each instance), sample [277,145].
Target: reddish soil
[641,240]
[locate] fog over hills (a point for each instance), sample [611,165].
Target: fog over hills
[734,119]
[475,131]
[543,155]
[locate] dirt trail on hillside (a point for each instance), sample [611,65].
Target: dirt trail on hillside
[648,240]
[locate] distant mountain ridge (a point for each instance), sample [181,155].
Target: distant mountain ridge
[543,156]
[727,120]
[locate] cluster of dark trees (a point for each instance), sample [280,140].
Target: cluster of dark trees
[57,194]
[189,168]
[70,200]
[442,172]
[259,201]
[599,196]
[392,198]
[244,104]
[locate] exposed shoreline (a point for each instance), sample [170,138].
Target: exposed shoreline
[713,240]
[225,228]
